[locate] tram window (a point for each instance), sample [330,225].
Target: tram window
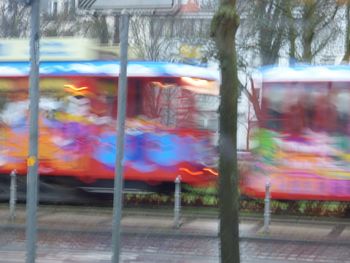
[162,102]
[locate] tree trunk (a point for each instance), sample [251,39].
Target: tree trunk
[116,39]
[308,34]
[307,46]
[347,35]
[270,33]
[223,30]
[292,33]
[249,124]
[103,31]
[292,49]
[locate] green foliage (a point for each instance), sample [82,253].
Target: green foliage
[302,207]
[207,197]
[212,190]
[210,201]
[188,199]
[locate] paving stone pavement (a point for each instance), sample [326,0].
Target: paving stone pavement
[90,219]
[75,235]
[140,251]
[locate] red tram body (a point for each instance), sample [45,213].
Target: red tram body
[170,129]
[302,143]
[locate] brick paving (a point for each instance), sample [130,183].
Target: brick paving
[157,249]
[75,235]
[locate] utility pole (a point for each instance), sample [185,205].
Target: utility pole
[122,98]
[124,9]
[32,161]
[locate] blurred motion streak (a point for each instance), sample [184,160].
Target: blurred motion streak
[302,142]
[191,173]
[170,127]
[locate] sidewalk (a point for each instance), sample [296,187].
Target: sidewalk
[100,220]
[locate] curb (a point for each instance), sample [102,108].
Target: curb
[331,242]
[174,232]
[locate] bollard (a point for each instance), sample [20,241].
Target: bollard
[267,207]
[177,202]
[13,195]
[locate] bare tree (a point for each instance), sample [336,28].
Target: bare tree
[224,26]
[160,38]
[150,37]
[170,104]
[261,37]
[300,29]
[271,30]
[71,24]
[14,19]
[253,95]
[62,24]
[317,26]
[304,28]
[99,28]
[195,32]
